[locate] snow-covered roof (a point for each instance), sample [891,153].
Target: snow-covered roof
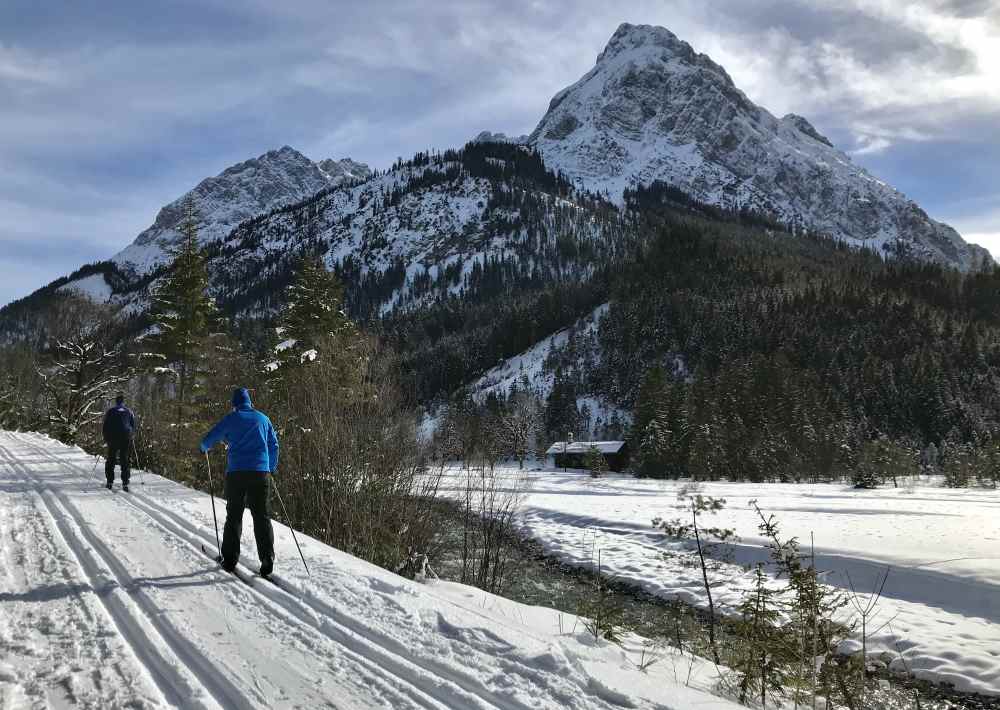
[582,447]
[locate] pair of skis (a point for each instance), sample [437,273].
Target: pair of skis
[239,574]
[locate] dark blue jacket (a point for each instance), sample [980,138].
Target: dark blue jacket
[119,424]
[253,445]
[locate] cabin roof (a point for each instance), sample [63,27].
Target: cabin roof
[582,447]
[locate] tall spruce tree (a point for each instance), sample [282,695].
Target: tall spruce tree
[314,312]
[562,417]
[314,330]
[184,315]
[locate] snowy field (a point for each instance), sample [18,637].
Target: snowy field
[940,611]
[107,601]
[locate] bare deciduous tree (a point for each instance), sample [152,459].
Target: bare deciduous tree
[85,367]
[519,421]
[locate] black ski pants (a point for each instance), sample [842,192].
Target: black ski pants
[247,489]
[118,452]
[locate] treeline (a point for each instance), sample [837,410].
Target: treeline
[749,353]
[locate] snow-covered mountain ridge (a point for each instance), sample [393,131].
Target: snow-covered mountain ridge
[430,228]
[276,178]
[654,109]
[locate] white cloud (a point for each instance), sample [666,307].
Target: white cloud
[871,145]
[990,240]
[19,66]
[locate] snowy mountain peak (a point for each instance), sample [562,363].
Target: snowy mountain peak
[278,177]
[645,43]
[488,137]
[344,170]
[653,108]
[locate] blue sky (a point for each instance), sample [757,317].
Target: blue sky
[112,109]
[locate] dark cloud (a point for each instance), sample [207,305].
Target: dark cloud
[966,9]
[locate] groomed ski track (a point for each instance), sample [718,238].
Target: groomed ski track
[158,624]
[188,656]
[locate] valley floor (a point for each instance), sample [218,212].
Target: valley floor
[939,617]
[108,601]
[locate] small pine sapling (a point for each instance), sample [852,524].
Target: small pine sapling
[604,612]
[810,628]
[762,657]
[595,462]
[707,541]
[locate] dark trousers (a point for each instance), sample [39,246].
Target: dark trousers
[118,451]
[247,489]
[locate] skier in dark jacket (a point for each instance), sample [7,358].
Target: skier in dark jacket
[119,426]
[253,455]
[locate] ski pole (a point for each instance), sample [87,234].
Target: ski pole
[285,512]
[211,493]
[138,465]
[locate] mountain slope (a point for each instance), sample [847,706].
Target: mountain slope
[279,177]
[654,109]
[459,258]
[112,603]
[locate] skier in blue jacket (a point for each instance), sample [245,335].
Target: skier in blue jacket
[253,455]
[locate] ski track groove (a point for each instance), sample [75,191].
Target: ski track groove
[425,694]
[127,498]
[350,633]
[325,619]
[84,544]
[47,553]
[116,608]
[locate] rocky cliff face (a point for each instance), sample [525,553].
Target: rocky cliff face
[654,109]
[345,170]
[277,178]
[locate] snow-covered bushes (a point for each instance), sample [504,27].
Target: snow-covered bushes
[350,462]
[883,460]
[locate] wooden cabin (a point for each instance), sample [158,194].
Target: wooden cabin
[573,454]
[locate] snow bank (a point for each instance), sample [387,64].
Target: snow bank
[940,610]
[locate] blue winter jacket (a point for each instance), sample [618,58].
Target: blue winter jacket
[253,445]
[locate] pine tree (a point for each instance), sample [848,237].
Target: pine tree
[761,656]
[881,460]
[184,315]
[519,423]
[9,405]
[710,542]
[647,401]
[810,634]
[314,311]
[595,462]
[562,417]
